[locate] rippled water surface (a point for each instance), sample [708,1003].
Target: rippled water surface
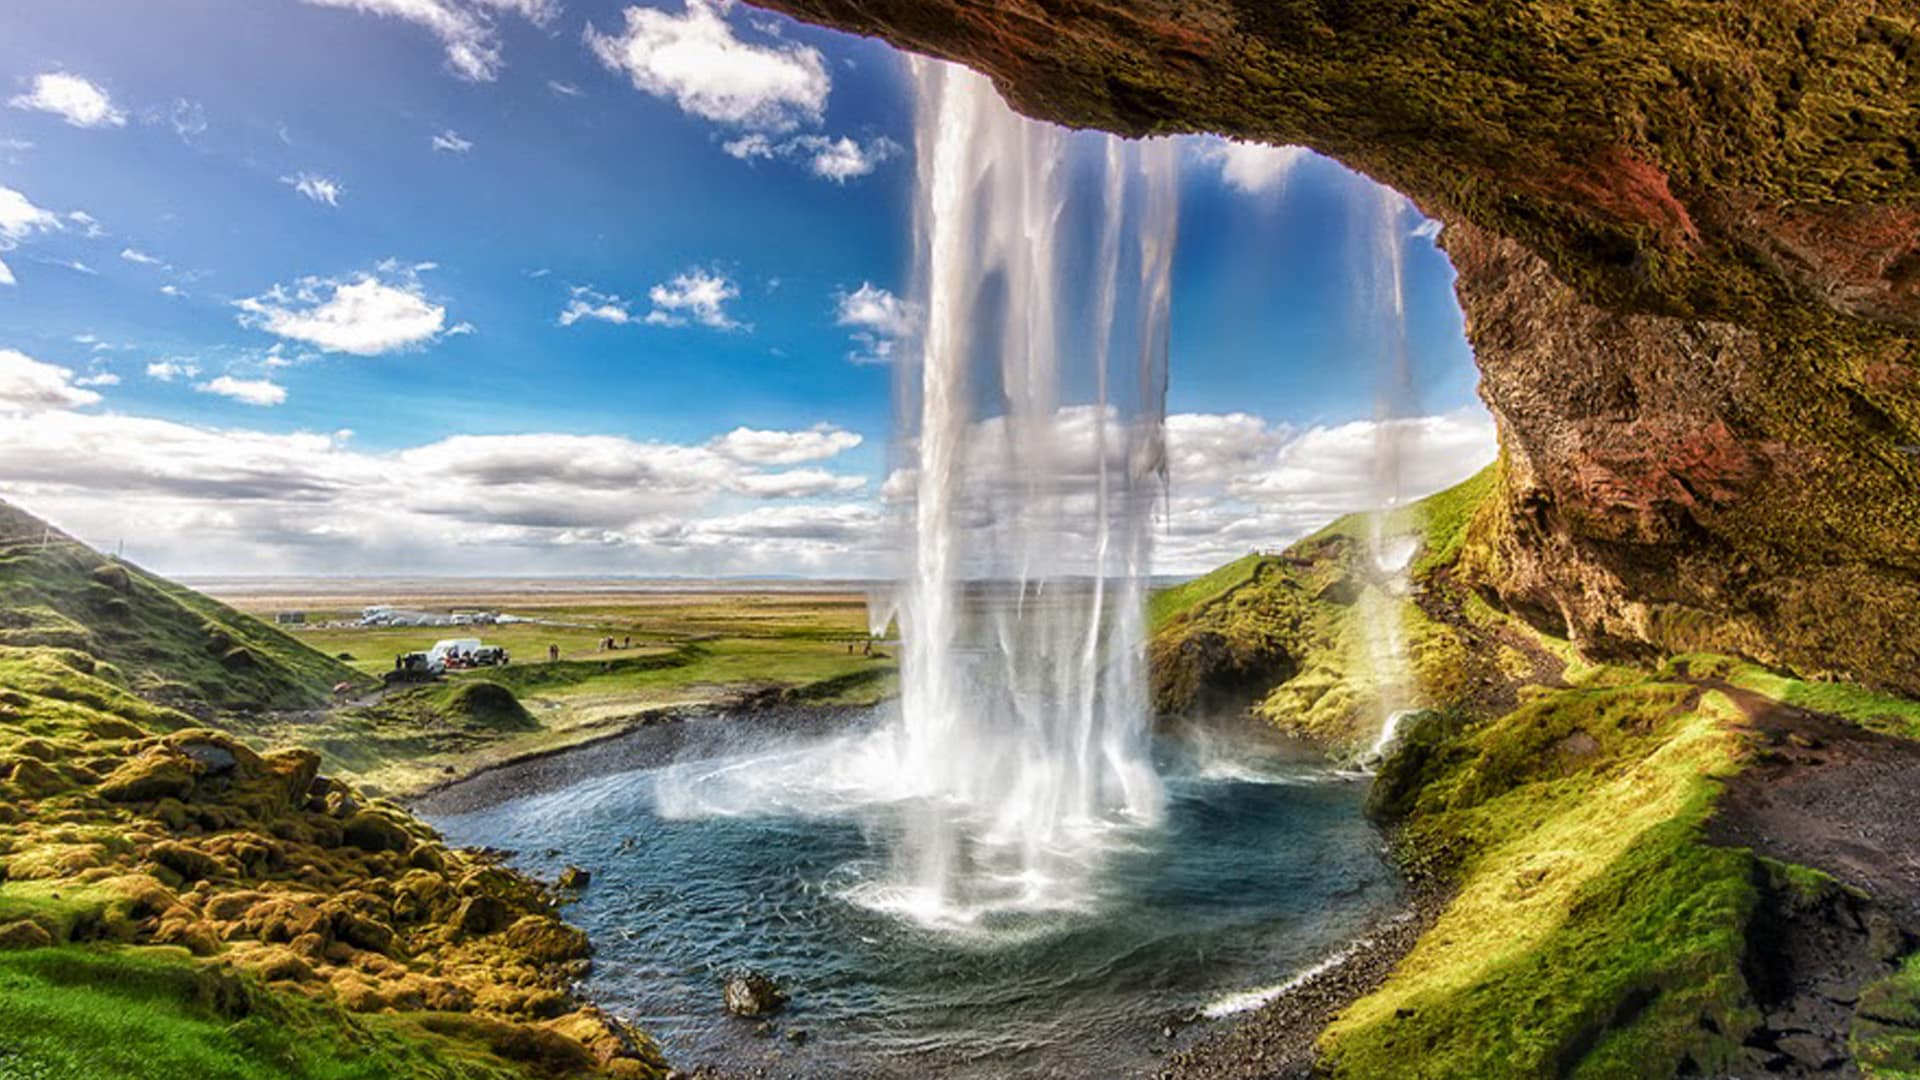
[1263,867]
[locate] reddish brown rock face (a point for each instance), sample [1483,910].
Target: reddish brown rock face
[1689,244]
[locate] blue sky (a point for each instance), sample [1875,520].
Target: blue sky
[543,256]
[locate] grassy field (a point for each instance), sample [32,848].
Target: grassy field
[687,648]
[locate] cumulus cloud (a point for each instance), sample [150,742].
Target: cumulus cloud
[696,295]
[1253,168]
[367,315]
[20,218]
[98,378]
[29,386]
[320,189]
[451,142]
[878,320]
[261,392]
[836,159]
[169,370]
[697,60]
[467,29]
[842,159]
[586,303]
[6,274]
[72,98]
[757,447]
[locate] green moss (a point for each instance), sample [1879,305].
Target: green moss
[1876,710]
[169,642]
[106,1013]
[1592,928]
[1167,604]
[1885,1035]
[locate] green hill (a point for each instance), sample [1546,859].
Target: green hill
[176,903]
[172,644]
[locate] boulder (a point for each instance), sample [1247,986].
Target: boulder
[751,993]
[156,774]
[482,914]
[371,831]
[574,877]
[548,941]
[25,934]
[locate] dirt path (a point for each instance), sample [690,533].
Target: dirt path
[1825,793]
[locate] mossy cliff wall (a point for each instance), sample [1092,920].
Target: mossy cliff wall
[1689,244]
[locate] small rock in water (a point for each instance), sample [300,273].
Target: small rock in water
[753,994]
[574,877]
[797,1036]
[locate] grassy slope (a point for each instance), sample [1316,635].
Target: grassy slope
[156,1014]
[103,878]
[169,642]
[1590,929]
[1302,616]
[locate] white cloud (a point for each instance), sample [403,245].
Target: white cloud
[20,218]
[756,447]
[29,386]
[565,89]
[169,370]
[72,98]
[836,159]
[172,290]
[696,295]
[588,304]
[467,29]
[878,318]
[873,308]
[6,274]
[135,255]
[842,159]
[754,144]
[98,378]
[263,392]
[319,188]
[79,267]
[366,315]
[696,59]
[1253,168]
[89,225]
[450,141]
[1428,229]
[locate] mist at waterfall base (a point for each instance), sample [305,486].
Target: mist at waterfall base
[1262,866]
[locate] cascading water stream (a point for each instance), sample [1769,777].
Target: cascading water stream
[1390,545]
[1023,694]
[1030,458]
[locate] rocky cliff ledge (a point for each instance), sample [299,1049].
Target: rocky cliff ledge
[1688,238]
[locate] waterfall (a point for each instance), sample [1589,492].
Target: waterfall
[1029,461]
[1391,544]
[1024,707]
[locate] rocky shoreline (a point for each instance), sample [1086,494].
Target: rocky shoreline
[1276,1040]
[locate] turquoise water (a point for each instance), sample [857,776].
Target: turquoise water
[1263,867]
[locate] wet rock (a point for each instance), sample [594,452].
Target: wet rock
[574,877]
[25,934]
[751,993]
[548,940]
[797,1036]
